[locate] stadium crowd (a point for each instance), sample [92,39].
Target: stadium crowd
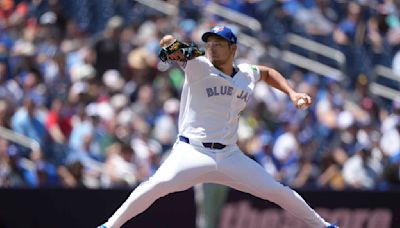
[82,78]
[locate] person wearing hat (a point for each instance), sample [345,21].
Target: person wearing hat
[214,94]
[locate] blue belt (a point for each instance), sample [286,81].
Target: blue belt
[210,145]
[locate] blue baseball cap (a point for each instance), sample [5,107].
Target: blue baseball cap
[221,31]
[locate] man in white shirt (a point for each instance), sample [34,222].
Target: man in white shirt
[214,94]
[362,170]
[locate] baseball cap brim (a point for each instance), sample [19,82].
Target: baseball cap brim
[205,36]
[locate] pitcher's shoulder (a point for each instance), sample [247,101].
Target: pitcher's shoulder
[250,70]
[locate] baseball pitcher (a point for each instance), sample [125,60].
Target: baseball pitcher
[214,94]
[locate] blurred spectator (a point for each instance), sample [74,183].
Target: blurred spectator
[326,114]
[33,87]
[265,156]
[122,167]
[390,141]
[362,170]
[113,80]
[331,167]
[29,121]
[389,122]
[147,149]
[10,174]
[376,43]
[286,150]
[141,63]
[38,172]
[54,17]
[6,8]
[58,123]
[313,19]
[4,162]
[82,125]
[9,88]
[107,49]
[91,167]
[5,114]
[165,127]
[71,175]
[349,36]
[145,106]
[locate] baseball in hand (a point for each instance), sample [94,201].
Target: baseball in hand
[302,103]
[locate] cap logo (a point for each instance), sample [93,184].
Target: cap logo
[218,29]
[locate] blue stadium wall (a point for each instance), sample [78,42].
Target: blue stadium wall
[81,208]
[58,208]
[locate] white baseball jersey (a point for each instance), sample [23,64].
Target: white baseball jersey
[212,101]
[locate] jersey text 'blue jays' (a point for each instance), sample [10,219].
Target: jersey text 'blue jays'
[226,90]
[219,90]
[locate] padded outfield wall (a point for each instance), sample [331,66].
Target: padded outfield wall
[60,208]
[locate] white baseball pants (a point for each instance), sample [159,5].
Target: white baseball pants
[188,165]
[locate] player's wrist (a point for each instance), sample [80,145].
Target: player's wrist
[292,94]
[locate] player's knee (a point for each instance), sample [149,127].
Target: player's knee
[162,187]
[165,185]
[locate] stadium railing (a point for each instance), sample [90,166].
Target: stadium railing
[308,59]
[19,139]
[234,16]
[385,83]
[161,6]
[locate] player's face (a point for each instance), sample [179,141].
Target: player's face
[219,51]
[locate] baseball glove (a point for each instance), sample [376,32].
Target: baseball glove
[189,51]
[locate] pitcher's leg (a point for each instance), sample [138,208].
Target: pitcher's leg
[249,176]
[179,172]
